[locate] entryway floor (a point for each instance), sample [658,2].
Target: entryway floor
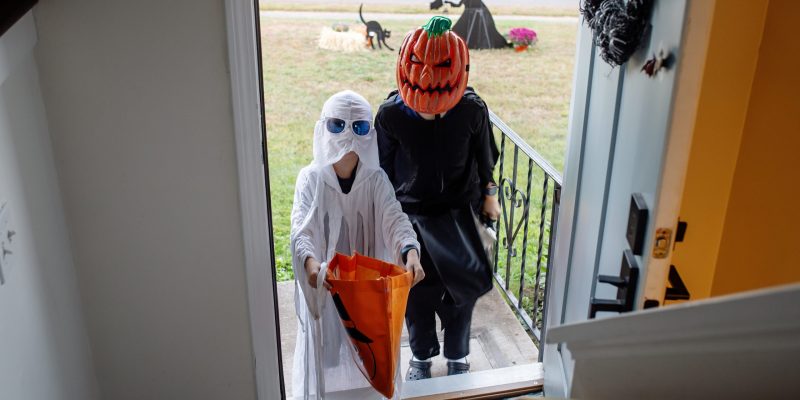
[497,339]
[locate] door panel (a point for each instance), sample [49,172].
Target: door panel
[645,113]
[598,143]
[554,370]
[618,130]
[600,140]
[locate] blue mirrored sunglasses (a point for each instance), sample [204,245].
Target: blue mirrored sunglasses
[337,125]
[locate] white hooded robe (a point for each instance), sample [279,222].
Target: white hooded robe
[367,220]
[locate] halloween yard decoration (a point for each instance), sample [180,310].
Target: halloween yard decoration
[619,26]
[476,25]
[375,32]
[433,67]
[340,37]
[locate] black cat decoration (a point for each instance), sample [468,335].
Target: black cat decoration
[476,24]
[375,32]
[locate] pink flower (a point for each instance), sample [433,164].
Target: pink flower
[522,36]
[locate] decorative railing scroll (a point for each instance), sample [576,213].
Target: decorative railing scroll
[522,257]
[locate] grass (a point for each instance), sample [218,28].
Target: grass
[530,91]
[415,8]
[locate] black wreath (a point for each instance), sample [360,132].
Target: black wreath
[619,26]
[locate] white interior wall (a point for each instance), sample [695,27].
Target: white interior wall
[44,351]
[139,102]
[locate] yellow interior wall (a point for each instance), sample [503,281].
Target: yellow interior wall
[731,61]
[763,214]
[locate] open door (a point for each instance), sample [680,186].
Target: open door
[624,172]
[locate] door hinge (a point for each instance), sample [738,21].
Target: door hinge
[680,231]
[677,289]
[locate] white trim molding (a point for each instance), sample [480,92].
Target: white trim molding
[16,44]
[739,346]
[488,384]
[245,82]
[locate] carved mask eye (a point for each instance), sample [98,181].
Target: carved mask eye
[415,59]
[444,64]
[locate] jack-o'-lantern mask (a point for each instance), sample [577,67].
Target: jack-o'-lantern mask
[433,68]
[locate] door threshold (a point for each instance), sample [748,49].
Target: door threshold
[490,384]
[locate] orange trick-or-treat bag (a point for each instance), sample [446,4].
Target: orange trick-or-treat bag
[370,296]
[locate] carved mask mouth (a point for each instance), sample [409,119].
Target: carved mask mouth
[433,68]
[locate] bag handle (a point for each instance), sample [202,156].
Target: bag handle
[318,342]
[320,297]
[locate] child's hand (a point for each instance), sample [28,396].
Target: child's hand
[413,265]
[491,207]
[312,270]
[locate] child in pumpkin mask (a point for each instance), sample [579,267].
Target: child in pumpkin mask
[343,203]
[437,148]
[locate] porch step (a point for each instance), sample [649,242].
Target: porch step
[497,338]
[501,383]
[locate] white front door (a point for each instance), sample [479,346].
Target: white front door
[621,120]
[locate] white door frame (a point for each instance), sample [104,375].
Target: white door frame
[246,82]
[554,369]
[246,86]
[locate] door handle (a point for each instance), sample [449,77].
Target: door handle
[626,284]
[617,281]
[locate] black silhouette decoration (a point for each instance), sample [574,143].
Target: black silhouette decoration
[375,32]
[476,25]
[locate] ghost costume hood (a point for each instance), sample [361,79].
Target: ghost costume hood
[329,147]
[325,220]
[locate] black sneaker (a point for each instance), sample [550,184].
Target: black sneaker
[457,368]
[418,370]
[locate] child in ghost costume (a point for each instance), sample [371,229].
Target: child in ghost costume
[343,203]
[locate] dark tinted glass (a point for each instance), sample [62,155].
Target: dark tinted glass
[361,128]
[334,125]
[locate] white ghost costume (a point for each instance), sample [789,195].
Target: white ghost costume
[367,220]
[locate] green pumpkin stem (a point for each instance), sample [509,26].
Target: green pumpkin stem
[437,26]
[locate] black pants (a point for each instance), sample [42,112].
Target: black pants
[428,299]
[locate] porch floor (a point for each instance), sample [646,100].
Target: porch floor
[497,339]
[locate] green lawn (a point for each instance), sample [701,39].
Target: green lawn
[415,8]
[530,91]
